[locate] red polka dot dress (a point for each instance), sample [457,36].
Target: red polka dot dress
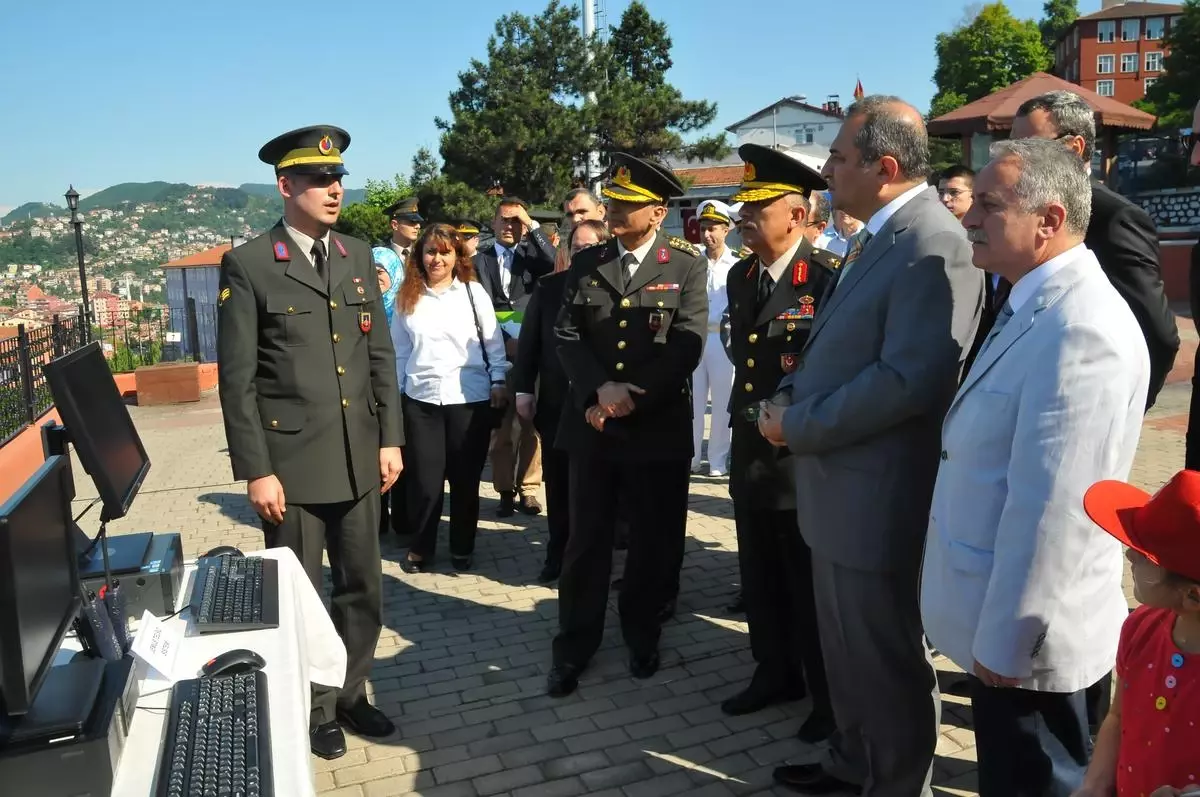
[1160,708]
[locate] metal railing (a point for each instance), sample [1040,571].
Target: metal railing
[24,394]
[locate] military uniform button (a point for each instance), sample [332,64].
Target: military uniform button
[623,323]
[750,363]
[341,371]
[336,337]
[620,344]
[291,309]
[748,387]
[620,366]
[332,305]
[754,337]
[791,327]
[626,303]
[274,424]
[345,403]
[660,304]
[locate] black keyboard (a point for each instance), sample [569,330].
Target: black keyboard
[235,593]
[218,739]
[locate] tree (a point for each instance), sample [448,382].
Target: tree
[364,220]
[1173,97]
[1057,17]
[425,168]
[994,50]
[637,111]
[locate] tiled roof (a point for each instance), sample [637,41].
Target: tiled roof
[209,257]
[1135,9]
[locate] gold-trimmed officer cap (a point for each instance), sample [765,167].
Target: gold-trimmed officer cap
[714,210]
[466,228]
[636,180]
[308,150]
[771,173]
[404,210]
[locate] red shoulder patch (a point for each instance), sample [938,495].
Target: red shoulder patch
[281,251]
[341,249]
[664,255]
[800,272]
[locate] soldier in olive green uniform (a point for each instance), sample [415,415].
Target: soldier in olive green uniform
[773,298]
[630,331]
[311,405]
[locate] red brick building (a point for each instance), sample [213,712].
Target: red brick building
[1117,51]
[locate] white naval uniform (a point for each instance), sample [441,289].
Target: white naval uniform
[714,374]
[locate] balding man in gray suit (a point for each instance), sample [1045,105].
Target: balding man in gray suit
[863,426]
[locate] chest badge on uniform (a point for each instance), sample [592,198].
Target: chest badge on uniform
[356,280]
[341,249]
[281,251]
[664,255]
[800,272]
[656,320]
[788,362]
[361,290]
[807,309]
[364,322]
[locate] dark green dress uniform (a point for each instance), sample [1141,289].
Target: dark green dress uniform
[768,326]
[648,331]
[308,392]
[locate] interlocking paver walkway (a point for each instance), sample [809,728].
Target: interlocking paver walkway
[462,660]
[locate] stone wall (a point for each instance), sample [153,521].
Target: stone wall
[1173,207]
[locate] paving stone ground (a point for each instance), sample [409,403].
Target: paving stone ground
[462,660]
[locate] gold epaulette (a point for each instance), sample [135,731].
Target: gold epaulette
[743,253]
[826,258]
[683,245]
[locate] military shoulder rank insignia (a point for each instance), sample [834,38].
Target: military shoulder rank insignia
[745,251]
[225,294]
[663,255]
[683,245]
[827,259]
[800,272]
[341,249]
[281,251]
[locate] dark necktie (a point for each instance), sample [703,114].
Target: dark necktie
[765,285]
[404,257]
[628,261]
[320,263]
[1000,296]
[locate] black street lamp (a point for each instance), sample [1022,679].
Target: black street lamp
[76,222]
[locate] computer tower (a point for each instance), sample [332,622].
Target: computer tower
[155,586]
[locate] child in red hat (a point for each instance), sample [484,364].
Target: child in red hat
[1149,744]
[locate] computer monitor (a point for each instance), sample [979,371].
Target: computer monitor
[39,584]
[99,425]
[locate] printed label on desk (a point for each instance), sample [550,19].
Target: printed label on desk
[158,645]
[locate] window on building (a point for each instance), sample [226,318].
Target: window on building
[1131,30]
[1129,62]
[1154,62]
[808,136]
[1150,81]
[1104,64]
[1076,35]
[1154,28]
[1106,30]
[1104,88]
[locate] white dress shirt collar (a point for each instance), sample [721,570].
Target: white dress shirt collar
[1024,288]
[640,253]
[777,268]
[305,242]
[881,216]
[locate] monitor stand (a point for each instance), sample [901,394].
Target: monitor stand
[62,705]
[126,553]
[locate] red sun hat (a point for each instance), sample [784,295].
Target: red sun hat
[1165,527]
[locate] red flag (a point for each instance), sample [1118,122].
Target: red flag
[858,91]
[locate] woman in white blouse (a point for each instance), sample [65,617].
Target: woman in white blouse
[451,365]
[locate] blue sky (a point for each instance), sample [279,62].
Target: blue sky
[98,93]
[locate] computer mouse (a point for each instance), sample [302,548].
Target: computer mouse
[223,550]
[233,662]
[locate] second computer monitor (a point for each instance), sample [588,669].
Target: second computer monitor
[39,589]
[99,426]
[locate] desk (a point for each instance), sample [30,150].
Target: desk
[304,648]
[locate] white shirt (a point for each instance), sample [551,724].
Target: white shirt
[832,241]
[777,268]
[305,242]
[639,253]
[718,275]
[438,359]
[1029,284]
[504,257]
[885,213]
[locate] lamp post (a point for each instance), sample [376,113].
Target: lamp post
[73,203]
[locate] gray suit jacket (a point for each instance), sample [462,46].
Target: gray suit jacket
[876,377]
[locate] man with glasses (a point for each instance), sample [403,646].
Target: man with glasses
[954,188]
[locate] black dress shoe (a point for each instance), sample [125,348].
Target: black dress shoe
[530,505]
[327,741]
[460,563]
[760,694]
[738,606]
[816,729]
[411,566]
[644,666]
[365,720]
[562,680]
[550,571]
[811,779]
[508,503]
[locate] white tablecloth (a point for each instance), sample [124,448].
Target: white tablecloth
[304,648]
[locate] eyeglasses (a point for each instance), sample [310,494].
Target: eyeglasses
[953,193]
